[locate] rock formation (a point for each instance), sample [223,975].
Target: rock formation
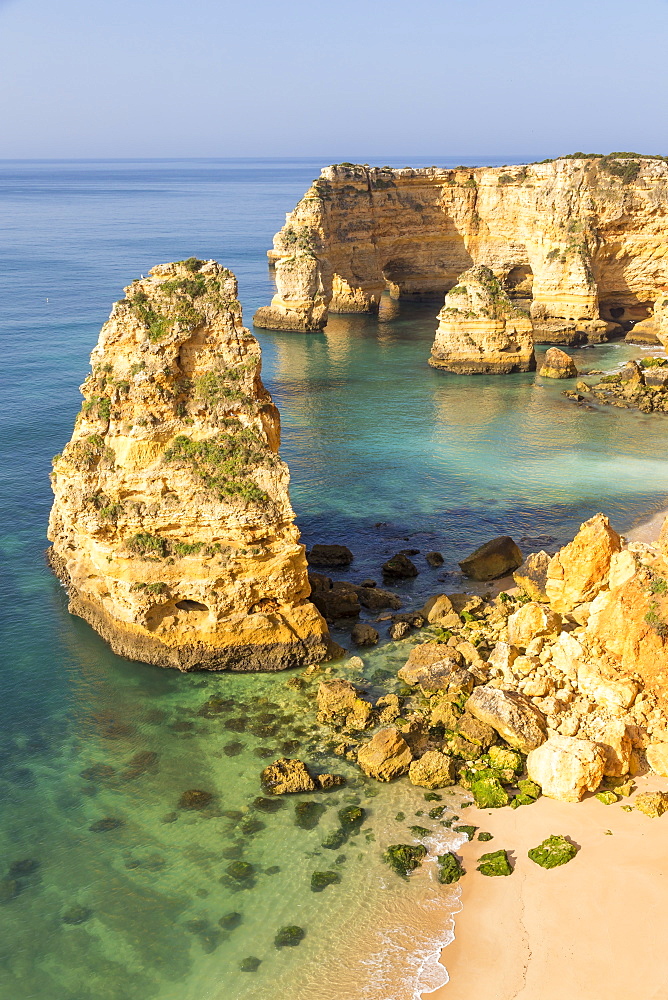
[558,364]
[172,529]
[481,330]
[578,240]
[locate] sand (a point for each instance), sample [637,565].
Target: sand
[594,929]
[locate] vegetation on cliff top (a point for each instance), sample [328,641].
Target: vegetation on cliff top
[223,463]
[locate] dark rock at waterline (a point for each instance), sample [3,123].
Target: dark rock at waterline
[327,781]
[399,630]
[289,937]
[434,559]
[250,964]
[329,555]
[195,798]
[364,635]
[9,889]
[333,600]
[77,915]
[399,567]
[368,583]
[229,921]
[107,823]
[19,869]
[495,558]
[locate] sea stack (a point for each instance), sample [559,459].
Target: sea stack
[480,330]
[172,528]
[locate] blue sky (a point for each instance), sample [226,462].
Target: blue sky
[353,80]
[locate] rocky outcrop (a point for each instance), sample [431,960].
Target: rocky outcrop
[385,756]
[172,528]
[558,364]
[481,330]
[579,241]
[636,386]
[579,571]
[433,770]
[513,716]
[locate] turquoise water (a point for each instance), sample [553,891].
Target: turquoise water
[385,453]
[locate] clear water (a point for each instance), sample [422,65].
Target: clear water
[385,453]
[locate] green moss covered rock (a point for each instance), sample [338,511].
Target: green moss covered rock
[449,869]
[554,851]
[468,830]
[419,831]
[489,793]
[289,937]
[494,863]
[404,858]
[333,841]
[308,814]
[608,797]
[484,836]
[529,788]
[503,757]
[351,818]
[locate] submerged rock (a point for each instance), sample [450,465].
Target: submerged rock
[400,567]
[175,417]
[77,915]
[554,851]
[107,823]
[493,559]
[309,814]
[9,889]
[320,880]
[250,964]
[289,937]
[195,798]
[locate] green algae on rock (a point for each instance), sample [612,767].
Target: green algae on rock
[489,793]
[290,936]
[494,863]
[449,868]
[554,851]
[404,858]
[320,880]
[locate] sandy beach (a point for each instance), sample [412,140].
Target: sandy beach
[594,929]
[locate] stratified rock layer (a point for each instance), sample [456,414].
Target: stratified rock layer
[172,529]
[480,330]
[579,241]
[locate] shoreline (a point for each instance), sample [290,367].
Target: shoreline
[571,931]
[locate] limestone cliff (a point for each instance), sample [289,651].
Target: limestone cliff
[172,528]
[581,240]
[480,330]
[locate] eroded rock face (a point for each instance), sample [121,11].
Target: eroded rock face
[172,527]
[531,576]
[567,768]
[531,621]
[576,239]
[579,571]
[480,330]
[385,756]
[513,717]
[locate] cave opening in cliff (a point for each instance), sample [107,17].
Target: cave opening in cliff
[519,282]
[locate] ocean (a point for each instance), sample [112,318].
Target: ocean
[109,890]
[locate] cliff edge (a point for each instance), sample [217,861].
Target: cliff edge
[172,528]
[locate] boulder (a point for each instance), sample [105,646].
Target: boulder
[502,657]
[377,599]
[385,756]
[652,804]
[439,611]
[553,852]
[333,600]
[558,364]
[531,577]
[434,559]
[596,681]
[579,571]
[433,770]
[613,738]
[364,635]
[286,776]
[567,768]
[657,758]
[330,555]
[399,567]
[513,717]
[423,655]
[475,731]
[493,559]
[530,621]
[444,675]
[443,713]
[339,700]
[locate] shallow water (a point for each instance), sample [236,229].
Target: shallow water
[385,453]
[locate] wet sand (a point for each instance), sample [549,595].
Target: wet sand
[594,929]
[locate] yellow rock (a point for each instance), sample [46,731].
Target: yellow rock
[579,571]
[171,526]
[657,758]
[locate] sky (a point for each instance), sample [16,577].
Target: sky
[351,80]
